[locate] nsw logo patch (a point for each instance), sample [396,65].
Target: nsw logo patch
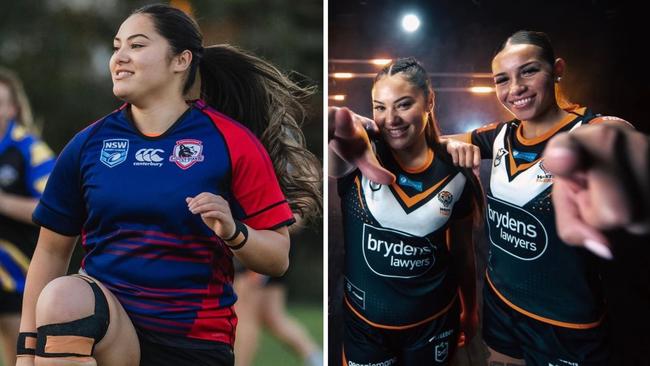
[187,152]
[114,152]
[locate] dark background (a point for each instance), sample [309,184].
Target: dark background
[60,49]
[603,42]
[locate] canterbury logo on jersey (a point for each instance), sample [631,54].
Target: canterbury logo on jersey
[149,157]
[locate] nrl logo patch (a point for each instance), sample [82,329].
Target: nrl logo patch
[187,152]
[114,152]
[442,351]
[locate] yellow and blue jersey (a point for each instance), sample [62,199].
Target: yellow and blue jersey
[25,165]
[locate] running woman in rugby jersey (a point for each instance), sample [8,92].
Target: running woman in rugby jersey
[163,193]
[543,301]
[25,164]
[409,257]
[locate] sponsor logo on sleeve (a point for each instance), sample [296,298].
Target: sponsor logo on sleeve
[187,152]
[114,152]
[390,253]
[515,231]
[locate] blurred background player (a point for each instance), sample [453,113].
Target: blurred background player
[25,164]
[261,305]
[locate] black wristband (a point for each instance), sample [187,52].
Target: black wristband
[21,346]
[240,229]
[234,235]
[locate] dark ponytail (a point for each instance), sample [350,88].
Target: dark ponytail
[255,93]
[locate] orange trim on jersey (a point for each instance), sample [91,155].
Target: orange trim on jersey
[541,318]
[421,168]
[411,201]
[400,327]
[487,127]
[609,120]
[152,134]
[356,181]
[345,360]
[548,134]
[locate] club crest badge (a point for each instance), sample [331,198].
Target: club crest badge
[114,152]
[446,198]
[187,152]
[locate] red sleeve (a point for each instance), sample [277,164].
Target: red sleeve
[255,187]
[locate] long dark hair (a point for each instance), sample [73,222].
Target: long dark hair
[253,92]
[543,41]
[413,72]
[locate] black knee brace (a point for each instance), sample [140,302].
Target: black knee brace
[78,337]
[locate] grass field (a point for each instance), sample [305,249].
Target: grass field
[272,353]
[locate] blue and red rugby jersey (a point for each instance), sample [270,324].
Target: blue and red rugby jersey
[125,192]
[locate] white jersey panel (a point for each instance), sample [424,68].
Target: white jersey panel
[422,221]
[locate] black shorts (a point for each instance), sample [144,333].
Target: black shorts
[10,302]
[156,354]
[432,343]
[514,334]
